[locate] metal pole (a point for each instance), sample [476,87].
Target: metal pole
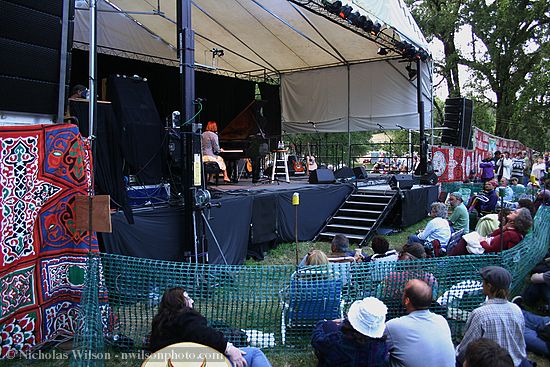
[92,68]
[186,51]
[63,60]
[349,132]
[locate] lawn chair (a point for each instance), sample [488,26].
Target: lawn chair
[312,295]
[455,237]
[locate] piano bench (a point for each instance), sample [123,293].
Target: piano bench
[212,168]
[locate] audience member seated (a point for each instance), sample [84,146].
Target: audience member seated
[390,289]
[316,257]
[514,183]
[382,252]
[459,218]
[490,222]
[517,225]
[485,202]
[421,338]
[355,341]
[537,333]
[528,204]
[536,291]
[508,192]
[484,352]
[340,252]
[436,229]
[497,319]
[176,321]
[543,198]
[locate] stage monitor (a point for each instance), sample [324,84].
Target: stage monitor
[403,182]
[321,176]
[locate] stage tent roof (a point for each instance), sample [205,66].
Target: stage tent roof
[328,73]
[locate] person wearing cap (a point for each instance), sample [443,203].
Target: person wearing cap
[497,319]
[357,340]
[421,338]
[459,218]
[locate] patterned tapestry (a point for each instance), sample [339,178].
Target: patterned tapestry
[43,256]
[452,164]
[457,164]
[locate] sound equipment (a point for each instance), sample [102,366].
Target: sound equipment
[458,122]
[360,173]
[403,182]
[146,195]
[321,176]
[143,136]
[428,179]
[35,57]
[344,173]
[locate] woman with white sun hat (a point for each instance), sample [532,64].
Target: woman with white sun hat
[355,341]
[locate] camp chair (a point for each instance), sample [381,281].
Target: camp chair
[312,295]
[455,237]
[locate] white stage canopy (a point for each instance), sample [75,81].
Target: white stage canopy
[329,73]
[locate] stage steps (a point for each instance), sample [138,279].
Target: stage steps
[359,216]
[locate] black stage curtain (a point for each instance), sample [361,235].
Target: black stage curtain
[272,110]
[225,97]
[107,155]
[157,233]
[414,206]
[231,226]
[317,204]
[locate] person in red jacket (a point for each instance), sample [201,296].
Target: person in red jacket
[518,224]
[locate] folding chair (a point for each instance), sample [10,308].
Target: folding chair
[311,296]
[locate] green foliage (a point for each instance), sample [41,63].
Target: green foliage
[507,57]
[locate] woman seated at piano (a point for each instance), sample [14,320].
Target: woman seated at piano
[211,148]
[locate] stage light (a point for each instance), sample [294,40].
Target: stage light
[357,19]
[375,29]
[412,72]
[334,7]
[345,11]
[368,25]
[422,55]
[382,51]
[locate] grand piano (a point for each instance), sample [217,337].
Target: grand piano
[245,137]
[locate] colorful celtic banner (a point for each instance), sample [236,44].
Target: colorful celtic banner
[457,164]
[43,256]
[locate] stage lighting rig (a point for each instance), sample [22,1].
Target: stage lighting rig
[412,72]
[334,7]
[345,11]
[382,51]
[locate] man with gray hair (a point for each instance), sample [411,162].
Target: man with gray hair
[437,229]
[459,218]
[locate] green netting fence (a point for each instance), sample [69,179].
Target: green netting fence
[276,307]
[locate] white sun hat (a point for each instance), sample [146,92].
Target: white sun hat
[368,317]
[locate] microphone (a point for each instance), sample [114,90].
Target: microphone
[401,127]
[380,126]
[199,100]
[311,123]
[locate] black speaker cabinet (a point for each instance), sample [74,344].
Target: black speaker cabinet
[321,176]
[428,179]
[344,172]
[360,172]
[458,122]
[403,182]
[31,46]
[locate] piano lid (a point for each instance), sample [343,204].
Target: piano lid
[250,121]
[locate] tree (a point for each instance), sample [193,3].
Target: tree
[440,19]
[515,36]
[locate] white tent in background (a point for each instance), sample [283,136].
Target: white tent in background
[329,71]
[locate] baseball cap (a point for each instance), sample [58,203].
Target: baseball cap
[497,276]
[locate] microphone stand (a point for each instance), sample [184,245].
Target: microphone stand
[318,136]
[501,225]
